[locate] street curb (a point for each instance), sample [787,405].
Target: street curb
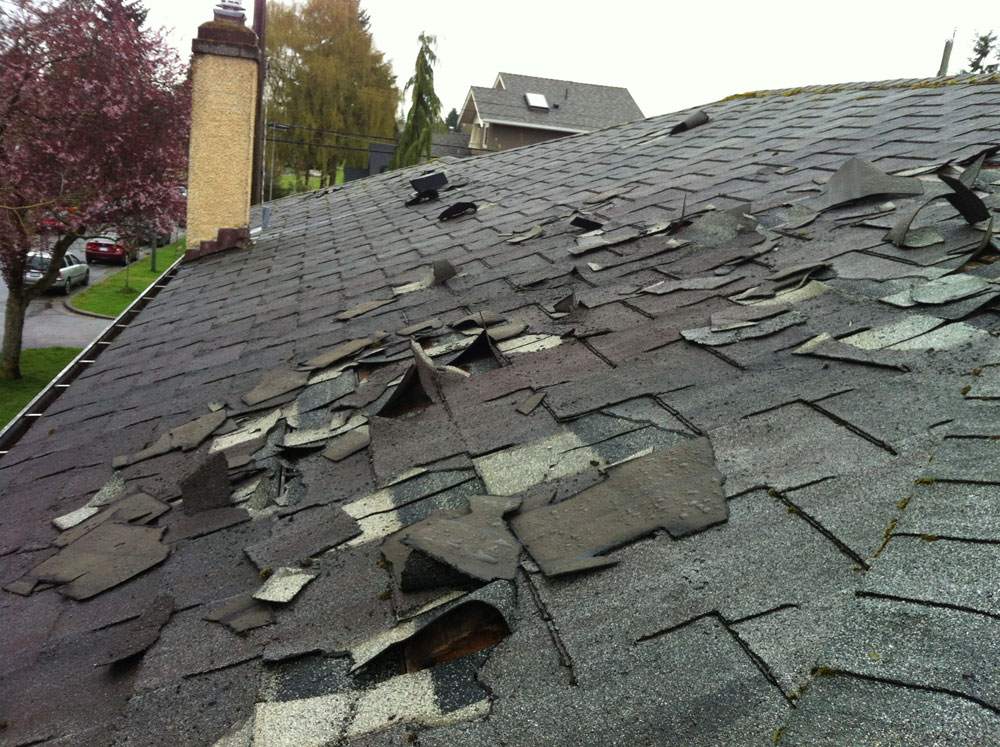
[81,312]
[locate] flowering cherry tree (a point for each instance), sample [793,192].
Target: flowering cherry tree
[93,135]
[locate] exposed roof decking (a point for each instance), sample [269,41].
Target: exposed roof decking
[706,639]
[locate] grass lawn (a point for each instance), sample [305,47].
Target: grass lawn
[289,183]
[112,295]
[38,367]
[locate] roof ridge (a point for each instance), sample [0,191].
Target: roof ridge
[914,83]
[562,80]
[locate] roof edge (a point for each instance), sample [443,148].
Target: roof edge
[532,126]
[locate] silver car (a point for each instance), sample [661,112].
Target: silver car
[73,271]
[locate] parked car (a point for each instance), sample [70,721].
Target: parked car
[73,271]
[153,238]
[110,248]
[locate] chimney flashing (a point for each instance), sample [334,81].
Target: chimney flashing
[226,238]
[227,39]
[247,51]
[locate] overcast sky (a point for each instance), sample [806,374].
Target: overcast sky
[670,55]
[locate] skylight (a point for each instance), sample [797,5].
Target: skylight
[536,101]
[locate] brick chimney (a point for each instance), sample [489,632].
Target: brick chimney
[223,114]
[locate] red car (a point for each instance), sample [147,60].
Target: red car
[109,249]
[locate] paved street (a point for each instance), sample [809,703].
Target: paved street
[49,323]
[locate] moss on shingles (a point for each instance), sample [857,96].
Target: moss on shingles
[932,83]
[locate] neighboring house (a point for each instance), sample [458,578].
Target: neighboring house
[522,110]
[722,471]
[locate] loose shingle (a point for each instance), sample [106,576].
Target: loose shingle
[140,508]
[207,486]
[820,453]
[678,489]
[857,179]
[303,535]
[134,637]
[477,544]
[105,557]
[275,384]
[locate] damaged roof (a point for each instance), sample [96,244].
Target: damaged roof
[564,105]
[666,435]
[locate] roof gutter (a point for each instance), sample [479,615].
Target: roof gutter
[549,128]
[34,410]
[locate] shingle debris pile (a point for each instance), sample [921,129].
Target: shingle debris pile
[675,436]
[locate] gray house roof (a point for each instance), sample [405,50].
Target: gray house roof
[723,470]
[573,107]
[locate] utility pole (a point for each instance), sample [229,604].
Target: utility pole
[946,55]
[260,28]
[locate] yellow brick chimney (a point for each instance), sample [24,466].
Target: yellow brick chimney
[223,113]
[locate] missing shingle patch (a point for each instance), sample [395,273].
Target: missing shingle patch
[409,397]
[461,631]
[284,584]
[440,272]
[499,597]
[482,355]
[587,224]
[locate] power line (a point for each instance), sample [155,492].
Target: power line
[315,145]
[358,135]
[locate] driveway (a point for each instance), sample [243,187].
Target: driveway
[49,324]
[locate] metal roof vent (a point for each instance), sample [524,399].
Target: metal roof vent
[536,101]
[230,10]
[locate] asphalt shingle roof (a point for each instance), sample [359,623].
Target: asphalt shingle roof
[780,426]
[573,107]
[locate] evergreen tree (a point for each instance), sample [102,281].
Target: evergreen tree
[452,120]
[984,46]
[425,110]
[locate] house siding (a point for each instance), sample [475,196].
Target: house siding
[504,137]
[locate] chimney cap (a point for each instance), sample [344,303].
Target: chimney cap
[231,11]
